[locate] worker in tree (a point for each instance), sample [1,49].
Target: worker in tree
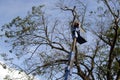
[76,33]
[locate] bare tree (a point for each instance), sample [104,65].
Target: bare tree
[109,34]
[44,44]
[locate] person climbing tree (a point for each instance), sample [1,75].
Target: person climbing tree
[75,30]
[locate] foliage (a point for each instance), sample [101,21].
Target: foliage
[44,43]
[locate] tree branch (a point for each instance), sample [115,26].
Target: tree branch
[49,64]
[114,15]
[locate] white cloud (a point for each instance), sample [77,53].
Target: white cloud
[3,72]
[12,73]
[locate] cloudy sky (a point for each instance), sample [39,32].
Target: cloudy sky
[12,73]
[10,9]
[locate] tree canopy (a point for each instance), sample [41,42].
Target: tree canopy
[42,42]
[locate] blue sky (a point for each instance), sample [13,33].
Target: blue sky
[10,9]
